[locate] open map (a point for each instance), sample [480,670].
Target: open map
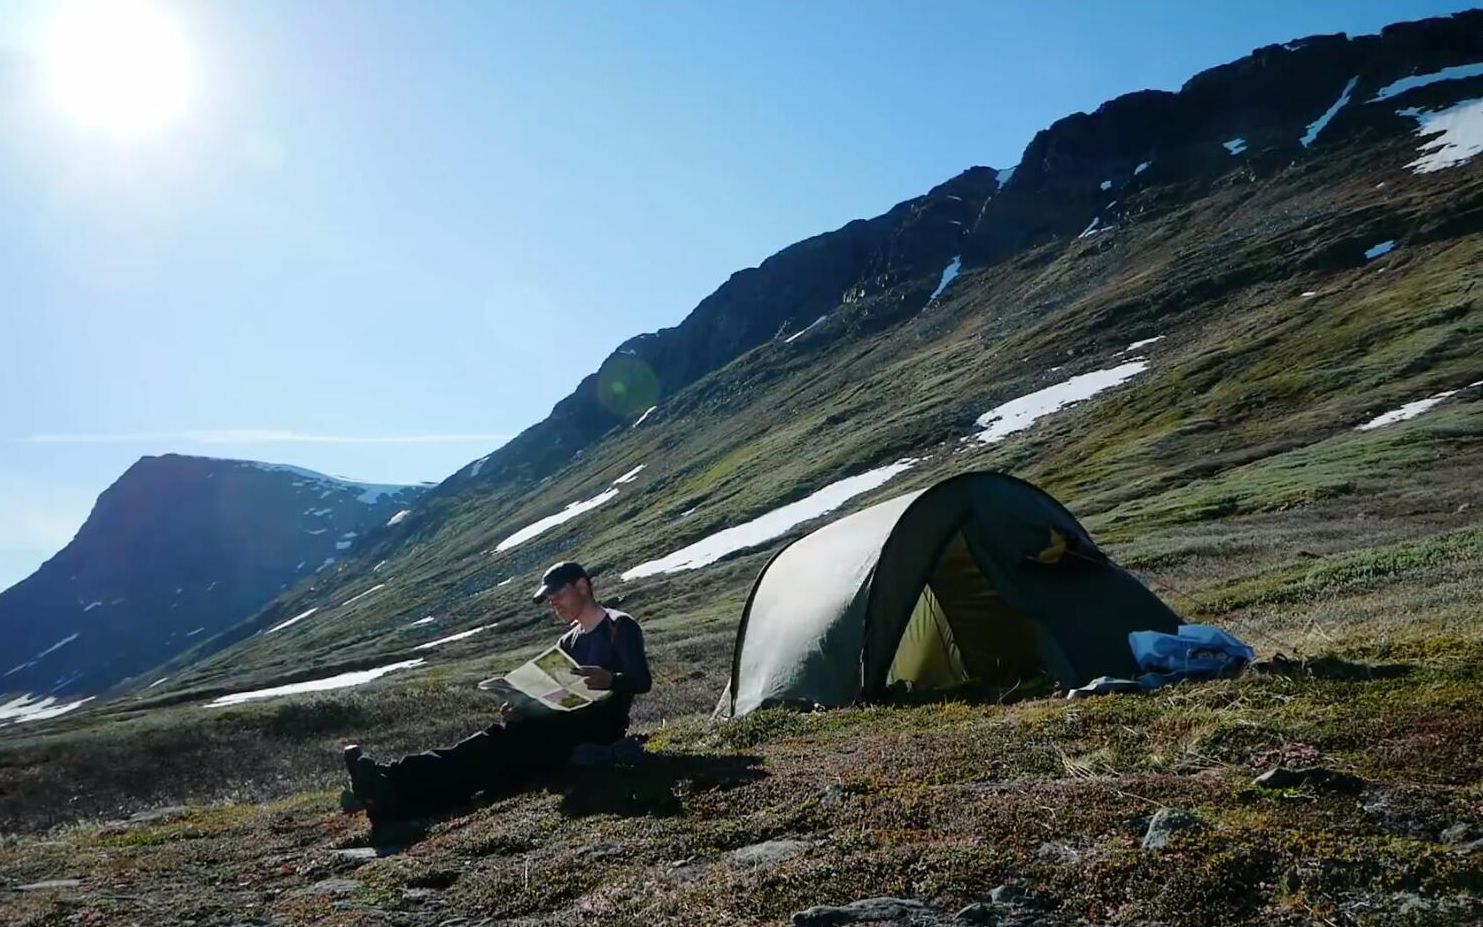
[550,679]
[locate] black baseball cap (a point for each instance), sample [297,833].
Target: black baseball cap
[558,576]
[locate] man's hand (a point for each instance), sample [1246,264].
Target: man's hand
[597,677]
[509,714]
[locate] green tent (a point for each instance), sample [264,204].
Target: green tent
[980,579]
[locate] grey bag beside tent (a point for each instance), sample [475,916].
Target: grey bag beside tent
[982,579]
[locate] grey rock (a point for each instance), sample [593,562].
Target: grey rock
[50,885]
[332,887]
[358,854]
[1060,852]
[1457,833]
[769,852]
[868,911]
[690,869]
[168,813]
[1009,893]
[602,851]
[1316,777]
[1391,811]
[1166,822]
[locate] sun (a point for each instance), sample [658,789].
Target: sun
[121,66]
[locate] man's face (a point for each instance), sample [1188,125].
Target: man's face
[568,601]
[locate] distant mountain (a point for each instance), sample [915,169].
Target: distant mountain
[174,551]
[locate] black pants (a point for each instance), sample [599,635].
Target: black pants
[501,755]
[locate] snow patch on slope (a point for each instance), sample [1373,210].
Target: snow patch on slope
[1018,414]
[370,493]
[1385,247]
[630,476]
[1461,135]
[1317,125]
[453,637]
[561,517]
[27,708]
[805,330]
[1421,80]
[949,274]
[292,621]
[771,525]
[340,681]
[1412,409]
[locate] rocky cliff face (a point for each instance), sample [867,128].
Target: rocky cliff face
[1264,112]
[788,292]
[174,551]
[1276,106]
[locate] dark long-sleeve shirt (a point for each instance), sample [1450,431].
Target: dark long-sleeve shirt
[617,645]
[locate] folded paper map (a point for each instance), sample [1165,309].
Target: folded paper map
[550,679]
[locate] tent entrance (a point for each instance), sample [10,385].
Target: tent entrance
[962,632]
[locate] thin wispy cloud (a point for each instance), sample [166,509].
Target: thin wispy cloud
[258,436]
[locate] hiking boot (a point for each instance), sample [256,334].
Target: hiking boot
[369,785]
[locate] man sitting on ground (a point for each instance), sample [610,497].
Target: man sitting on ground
[609,648]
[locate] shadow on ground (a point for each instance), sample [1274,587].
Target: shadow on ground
[653,786]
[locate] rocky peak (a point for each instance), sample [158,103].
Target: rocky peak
[1260,106]
[177,549]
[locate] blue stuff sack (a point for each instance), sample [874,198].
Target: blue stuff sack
[1195,651]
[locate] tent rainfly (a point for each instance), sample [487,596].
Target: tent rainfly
[980,579]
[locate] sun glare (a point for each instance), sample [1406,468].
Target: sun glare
[121,66]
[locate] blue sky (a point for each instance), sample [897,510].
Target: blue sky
[378,240]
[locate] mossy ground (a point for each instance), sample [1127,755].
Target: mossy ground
[939,802]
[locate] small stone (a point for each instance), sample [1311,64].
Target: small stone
[865,911]
[1457,833]
[979,913]
[769,852]
[50,885]
[358,854]
[168,813]
[1008,893]
[1164,825]
[1060,852]
[1312,777]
